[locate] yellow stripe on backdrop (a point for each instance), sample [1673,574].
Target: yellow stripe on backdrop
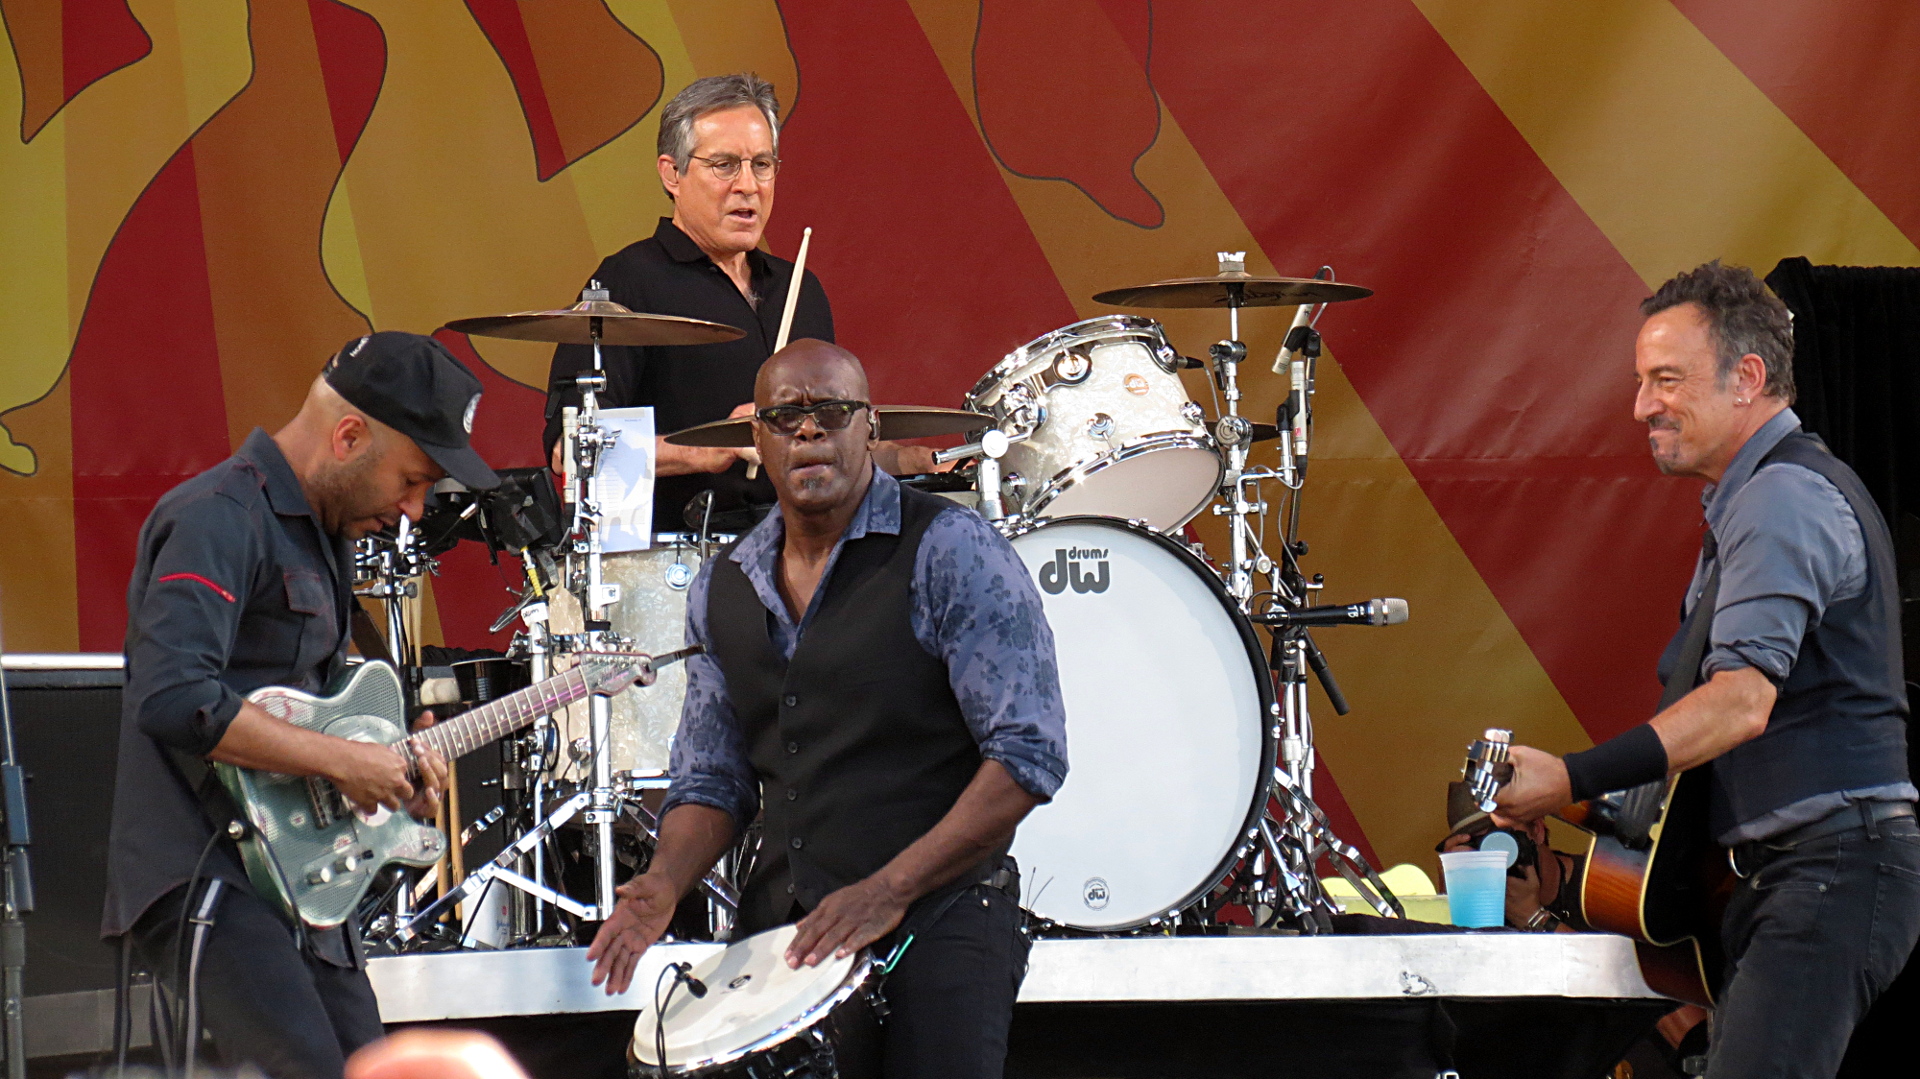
[62,197]
[1662,140]
[1420,690]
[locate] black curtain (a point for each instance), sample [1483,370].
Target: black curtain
[1856,362]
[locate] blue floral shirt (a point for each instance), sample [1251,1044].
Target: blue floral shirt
[975,608]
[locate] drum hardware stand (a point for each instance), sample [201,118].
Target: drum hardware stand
[989,448]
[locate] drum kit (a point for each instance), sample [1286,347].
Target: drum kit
[1188,807]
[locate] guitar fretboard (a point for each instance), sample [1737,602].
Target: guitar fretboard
[496,719]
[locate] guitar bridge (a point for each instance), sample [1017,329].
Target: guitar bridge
[329,805]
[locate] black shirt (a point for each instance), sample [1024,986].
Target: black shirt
[668,274]
[236,587]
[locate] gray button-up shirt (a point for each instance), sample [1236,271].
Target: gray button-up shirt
[1789,548]
[975,608]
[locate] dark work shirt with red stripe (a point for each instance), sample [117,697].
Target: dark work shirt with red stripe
[237,587]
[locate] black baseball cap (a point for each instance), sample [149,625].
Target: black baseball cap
[415,386]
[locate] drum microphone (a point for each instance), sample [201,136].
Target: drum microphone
[683,972]
[1374,612]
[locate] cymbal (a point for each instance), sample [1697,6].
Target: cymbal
[896,422]
[1231,290]
[618,326]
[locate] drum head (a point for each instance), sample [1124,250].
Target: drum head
[1163,481]
[753,1001]
[1166,696]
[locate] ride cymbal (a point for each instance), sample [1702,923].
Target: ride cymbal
[618,326]
[1233,290]
[897,422]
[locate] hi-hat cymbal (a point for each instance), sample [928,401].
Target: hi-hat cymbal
[618,326]
[896,422]
[1233,290]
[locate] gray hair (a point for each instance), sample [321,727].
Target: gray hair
[1743,316]
[711,94]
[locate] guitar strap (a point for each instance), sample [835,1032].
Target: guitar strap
[1641,806]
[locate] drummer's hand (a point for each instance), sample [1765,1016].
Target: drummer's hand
[1539,787]
[639,918]
[432,769]
[845,922]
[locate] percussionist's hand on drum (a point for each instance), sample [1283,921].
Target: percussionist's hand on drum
[639,918]
[845,922]
[1539,787]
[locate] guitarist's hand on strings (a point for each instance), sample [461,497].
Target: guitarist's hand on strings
[1539,787]
[432,769]
[369,774]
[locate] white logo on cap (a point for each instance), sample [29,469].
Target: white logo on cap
[467,420]
[358,345]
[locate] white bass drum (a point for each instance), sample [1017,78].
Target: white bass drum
[1169,745]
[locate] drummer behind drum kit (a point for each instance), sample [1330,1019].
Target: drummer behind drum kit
[1192,747]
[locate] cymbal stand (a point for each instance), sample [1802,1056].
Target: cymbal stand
[524,777]
[395,568]
[587,443]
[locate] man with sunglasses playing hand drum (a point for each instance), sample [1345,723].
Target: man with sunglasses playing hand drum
[879,679]
[719,150]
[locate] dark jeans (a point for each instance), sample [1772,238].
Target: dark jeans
[1813,935]
[266,1003]
[951,995]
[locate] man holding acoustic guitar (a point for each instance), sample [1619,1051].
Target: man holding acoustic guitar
[244,580]
[1783,725]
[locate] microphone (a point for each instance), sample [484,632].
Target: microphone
[683,972]
[1374,612]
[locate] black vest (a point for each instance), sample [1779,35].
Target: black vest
[859,743]
[1840,720]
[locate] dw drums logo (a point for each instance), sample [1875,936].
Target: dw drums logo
[1064,570]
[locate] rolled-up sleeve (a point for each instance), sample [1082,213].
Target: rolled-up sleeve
[1789,548]
[976,608]
[709,764]
[184,621]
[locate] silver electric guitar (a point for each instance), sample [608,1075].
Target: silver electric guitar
[309,849]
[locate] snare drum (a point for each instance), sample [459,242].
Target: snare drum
[652,613]
[760,1019]
[1112,430]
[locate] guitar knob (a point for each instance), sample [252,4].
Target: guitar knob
[347,864]
[322,875]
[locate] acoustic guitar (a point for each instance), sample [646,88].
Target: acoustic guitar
[1653,871]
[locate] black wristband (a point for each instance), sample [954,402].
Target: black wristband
[1624,761]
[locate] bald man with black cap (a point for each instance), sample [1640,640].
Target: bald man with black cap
[244,580]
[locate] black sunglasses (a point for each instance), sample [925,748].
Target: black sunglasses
[829,415]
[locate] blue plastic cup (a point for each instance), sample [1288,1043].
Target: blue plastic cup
[1476,887]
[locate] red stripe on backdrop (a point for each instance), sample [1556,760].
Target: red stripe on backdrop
[471,591]
[148,408]
[99,37]
[1845,73]
[929,264]
[1496,353]
[500,21]
[353,62]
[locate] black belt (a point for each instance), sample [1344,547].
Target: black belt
[1861,817]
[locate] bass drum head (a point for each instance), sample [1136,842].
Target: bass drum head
[1167,698]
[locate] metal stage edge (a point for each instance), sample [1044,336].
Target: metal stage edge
[441,986]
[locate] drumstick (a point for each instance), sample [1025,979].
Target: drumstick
[786,317]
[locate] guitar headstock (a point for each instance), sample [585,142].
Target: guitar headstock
[1487,769]
[609,674]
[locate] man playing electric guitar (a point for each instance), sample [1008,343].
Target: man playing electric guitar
[1796,709]
[244,580]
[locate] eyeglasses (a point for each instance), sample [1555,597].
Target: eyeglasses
[829,415]
[727,167]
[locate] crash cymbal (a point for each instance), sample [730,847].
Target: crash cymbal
[618,326]
[896,422]
[1233,290]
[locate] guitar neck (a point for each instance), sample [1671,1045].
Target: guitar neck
[496,719]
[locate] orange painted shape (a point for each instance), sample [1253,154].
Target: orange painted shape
[266,166]
[1060,96]
[583,78]
[739,35]
[37,580]
[64,46]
